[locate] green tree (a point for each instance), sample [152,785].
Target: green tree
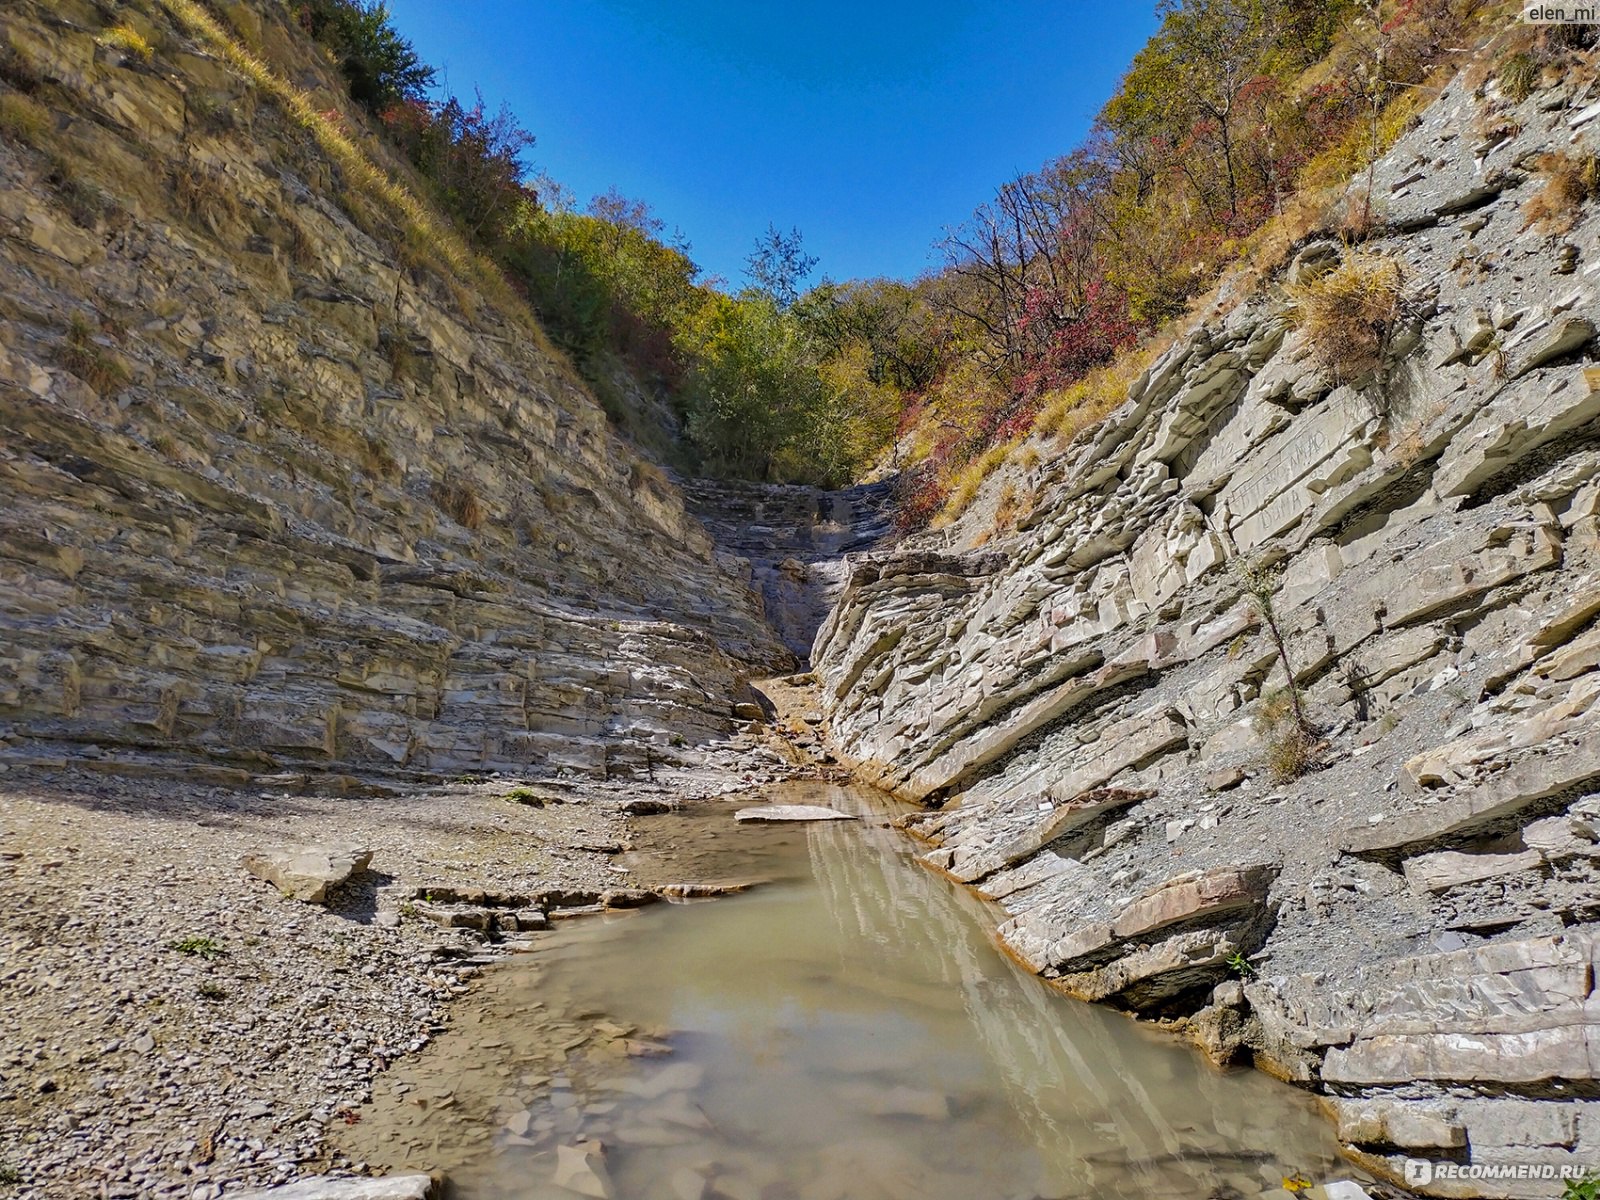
[752,390]
[380,67]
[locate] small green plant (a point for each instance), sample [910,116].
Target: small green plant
[408,911]
[213,991]
[1240,965]
[1587,1188]
[198,947]
[9,1175]
[128,40]
[528,796]
[81,355]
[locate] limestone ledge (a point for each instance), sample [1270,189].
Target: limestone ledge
[1410,928]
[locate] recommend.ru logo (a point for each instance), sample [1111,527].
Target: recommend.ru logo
[1419,1172]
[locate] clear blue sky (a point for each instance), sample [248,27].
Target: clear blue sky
[869,126]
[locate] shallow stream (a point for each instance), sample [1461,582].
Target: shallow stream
[845,1031]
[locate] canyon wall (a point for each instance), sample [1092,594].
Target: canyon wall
[1088,703]
[274,497]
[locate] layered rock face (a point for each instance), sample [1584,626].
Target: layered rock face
[1087,703]
[273,498]
[793,540]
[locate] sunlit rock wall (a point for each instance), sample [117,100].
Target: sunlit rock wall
[1410,926]
[271,498]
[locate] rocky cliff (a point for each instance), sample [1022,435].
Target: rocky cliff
[793,541]
[1086,703]
[276,496]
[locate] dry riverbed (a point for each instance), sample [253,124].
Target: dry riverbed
[171,1026]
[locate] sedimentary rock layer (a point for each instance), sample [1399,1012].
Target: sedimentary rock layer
[1091,703]
[270,495]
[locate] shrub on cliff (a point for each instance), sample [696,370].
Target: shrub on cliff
[1570,181]
[1349,314]
[379,66]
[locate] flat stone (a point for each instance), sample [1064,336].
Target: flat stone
[1447,869]
[1223,780]
[581,1168]
[1150,975]
[1505,795]
[792,812]
[1210,893]
[702,891]
[1567,334]
[1409,1125]
[307,873]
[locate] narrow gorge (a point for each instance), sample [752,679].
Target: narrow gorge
[313,550]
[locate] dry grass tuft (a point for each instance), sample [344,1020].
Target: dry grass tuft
[204,194]
[24,120]
[646,475]
[1099,393]
[1012,505]
[81,355]
[1290,748]
[1349,314]
[1519,77]
[967,483]
[18,69]
[378,460]
[128,40]
[397,349]
[1570,181]
[1290,752]
[458,499]
[85,203]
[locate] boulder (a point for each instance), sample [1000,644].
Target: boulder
[307,873]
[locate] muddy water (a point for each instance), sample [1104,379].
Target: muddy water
[844,1032]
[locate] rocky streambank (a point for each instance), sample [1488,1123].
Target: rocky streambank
[175,1025]
[1093,708]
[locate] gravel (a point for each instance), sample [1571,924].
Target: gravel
[172,1027]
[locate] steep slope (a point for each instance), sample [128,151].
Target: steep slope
[274,494]
[1411,927]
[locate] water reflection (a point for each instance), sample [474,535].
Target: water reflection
[856,1035]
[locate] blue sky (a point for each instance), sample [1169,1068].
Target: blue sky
[869,126]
